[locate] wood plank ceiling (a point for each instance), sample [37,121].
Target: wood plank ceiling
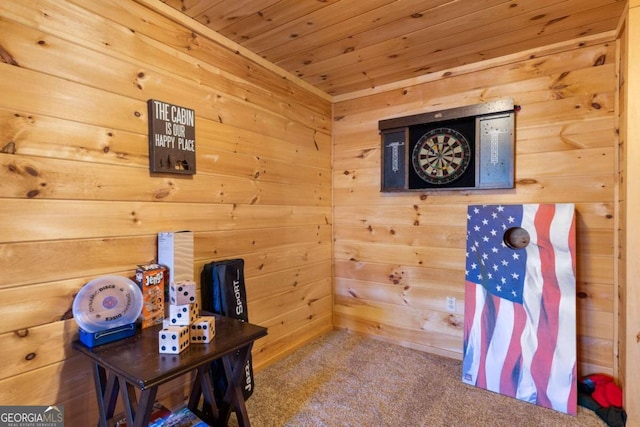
[342,46]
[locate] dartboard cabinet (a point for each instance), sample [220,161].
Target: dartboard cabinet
[470,147]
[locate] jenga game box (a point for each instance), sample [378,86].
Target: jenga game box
[151,280]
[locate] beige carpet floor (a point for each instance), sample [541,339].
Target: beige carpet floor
[343,379]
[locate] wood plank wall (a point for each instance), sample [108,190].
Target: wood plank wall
[629,206]
[622,60]
[398,256]
[77,200]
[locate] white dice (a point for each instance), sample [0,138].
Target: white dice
[173,339]
[182,292]
[183,315]
[203,329]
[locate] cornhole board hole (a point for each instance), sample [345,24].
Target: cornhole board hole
[520,307]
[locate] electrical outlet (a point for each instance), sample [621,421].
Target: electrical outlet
[451,304]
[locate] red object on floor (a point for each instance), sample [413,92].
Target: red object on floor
[605,392]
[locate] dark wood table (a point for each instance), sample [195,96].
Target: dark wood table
[134,366]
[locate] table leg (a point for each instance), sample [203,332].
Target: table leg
[147,399]
[234,371]
[203,387]
[106,392]
[196,393]
[137,413]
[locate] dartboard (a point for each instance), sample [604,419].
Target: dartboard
[441,156]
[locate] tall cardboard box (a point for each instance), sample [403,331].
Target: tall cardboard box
[175,250]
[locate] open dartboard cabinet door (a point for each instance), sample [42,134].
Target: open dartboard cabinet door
[463,148]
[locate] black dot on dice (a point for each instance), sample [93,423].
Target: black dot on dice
[173,337]
[164,348]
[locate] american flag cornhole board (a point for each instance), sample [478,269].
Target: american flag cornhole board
[520,307]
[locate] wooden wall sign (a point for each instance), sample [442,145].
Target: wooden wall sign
[172,138]
[457,149]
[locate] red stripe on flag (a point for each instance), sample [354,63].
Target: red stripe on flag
[510,374]
[549,318]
